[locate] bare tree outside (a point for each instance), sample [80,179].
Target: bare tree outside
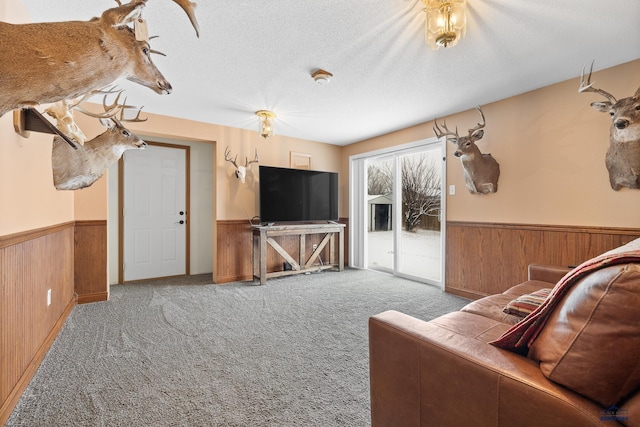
[420,177]
[420,190]
[380,179]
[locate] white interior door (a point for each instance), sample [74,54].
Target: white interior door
[154,212]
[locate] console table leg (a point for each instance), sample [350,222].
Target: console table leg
[341,249]
[263,258]
[303,247]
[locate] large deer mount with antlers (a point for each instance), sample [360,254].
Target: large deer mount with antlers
[481,171]
[241,171]
[47,62]
[623,156]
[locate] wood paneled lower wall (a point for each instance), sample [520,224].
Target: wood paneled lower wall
[71,260]
[31,263]
[235,248]
[484,259]
[90,261]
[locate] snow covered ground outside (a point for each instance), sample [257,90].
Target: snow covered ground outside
[420,253]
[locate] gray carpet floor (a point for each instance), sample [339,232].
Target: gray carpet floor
[184,352]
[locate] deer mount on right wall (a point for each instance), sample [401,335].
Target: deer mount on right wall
[481,171]
[623,155]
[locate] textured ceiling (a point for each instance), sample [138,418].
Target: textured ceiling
[254,55]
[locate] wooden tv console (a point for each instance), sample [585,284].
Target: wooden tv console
[263,237]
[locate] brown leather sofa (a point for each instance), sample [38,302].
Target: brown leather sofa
[583,369]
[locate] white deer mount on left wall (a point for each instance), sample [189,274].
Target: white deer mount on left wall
[241,171]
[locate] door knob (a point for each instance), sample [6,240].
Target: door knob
[180,222]
[181,212]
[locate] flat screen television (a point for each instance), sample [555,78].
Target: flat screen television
[288,195]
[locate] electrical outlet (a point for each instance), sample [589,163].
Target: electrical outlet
[49,297]
[315,247]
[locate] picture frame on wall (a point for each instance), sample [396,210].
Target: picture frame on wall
[300,160]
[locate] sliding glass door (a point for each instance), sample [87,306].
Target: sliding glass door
[396,207]
[380,201]
[419,231]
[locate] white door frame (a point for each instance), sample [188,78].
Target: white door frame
[187,204]
[358,251]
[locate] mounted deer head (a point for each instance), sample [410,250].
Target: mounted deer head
[76,169]
[62,111]
[48,62]
[623,156]
[241,171]
[481,171]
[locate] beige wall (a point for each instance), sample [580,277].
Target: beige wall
[234,200]
[28,199]
[551,148]
[241,201]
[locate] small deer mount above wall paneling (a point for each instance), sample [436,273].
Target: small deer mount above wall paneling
[481,171]
[241,171]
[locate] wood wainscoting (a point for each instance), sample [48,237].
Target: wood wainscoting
[90,261]
[486,258]
[31,263]
[235,250]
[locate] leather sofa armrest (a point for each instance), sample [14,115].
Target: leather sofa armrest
[427,374]
[547,273]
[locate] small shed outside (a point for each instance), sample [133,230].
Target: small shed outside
[380,211]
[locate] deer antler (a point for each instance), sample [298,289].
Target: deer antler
[440,133]
[189,9]
[136,118]
[480,125]
[186,5]
[247,162]
[109,110]
[588,86]
[62,111]
[112,110]
[227,153]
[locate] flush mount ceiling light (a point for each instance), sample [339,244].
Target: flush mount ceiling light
[265,125]
[321,77]
[446,22]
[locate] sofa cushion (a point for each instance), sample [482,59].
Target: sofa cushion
[591,341]
[491,308]
[526,303]
[470,325]
[527,287]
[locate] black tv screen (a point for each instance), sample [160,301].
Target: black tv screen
[297,195]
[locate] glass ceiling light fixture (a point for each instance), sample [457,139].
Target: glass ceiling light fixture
[265,126]
[446,22]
